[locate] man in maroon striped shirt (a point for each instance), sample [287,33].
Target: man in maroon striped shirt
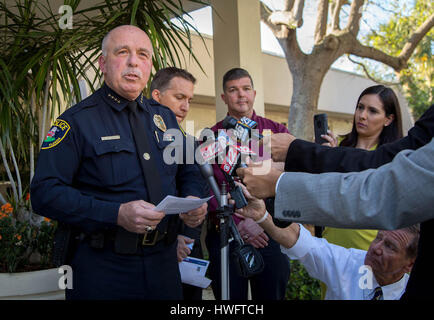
[239,95]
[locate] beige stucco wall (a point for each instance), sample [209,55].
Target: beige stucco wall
[200,116]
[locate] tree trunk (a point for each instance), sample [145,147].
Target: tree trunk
[304,102]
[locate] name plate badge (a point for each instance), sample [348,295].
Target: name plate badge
[110,138]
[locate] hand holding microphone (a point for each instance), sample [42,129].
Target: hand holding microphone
[260,178]
[255,208]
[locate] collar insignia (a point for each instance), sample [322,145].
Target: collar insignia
[113,98]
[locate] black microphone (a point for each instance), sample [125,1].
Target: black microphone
[208,173]
[241,130]
[203,154]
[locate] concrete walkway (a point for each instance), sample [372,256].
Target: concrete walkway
[207,294]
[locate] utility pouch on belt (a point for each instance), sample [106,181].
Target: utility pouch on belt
[63,245]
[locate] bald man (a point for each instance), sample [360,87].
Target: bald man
[101,172]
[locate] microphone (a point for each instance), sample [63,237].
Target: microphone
[208,173]
[226,151]
[233,158]
[207,152]
[252,124]
[242,128]
[216,147]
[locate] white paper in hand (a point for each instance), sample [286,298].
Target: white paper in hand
[175,205]
[193,272]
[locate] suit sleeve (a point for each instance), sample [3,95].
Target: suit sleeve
[306,156]
[395,195]
[53,194]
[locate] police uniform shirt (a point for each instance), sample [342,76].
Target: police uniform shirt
[88,164]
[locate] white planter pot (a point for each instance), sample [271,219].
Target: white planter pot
[34,285]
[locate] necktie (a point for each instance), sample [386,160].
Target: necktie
[151,171]
[378,294]
[146,158]
[126,242]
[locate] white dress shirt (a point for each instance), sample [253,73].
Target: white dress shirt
[341,269]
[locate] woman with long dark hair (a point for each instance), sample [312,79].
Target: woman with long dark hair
[382,122]
[377,120]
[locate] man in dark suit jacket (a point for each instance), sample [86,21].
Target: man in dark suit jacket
[305,156]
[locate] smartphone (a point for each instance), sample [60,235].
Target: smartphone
[320,125]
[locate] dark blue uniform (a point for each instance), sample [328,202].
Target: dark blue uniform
[88,167]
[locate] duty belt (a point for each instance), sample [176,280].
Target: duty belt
[151,238]
[99,239]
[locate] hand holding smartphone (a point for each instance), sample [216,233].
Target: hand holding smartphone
[320,125]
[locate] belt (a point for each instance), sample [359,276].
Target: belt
[99,239]
[151,238]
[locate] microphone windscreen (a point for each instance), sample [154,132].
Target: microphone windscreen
[229,122]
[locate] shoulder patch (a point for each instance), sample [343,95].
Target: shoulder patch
[56,134]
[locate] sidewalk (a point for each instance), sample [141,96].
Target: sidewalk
[207,294]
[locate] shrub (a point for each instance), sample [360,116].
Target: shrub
[300,285]
[24,246]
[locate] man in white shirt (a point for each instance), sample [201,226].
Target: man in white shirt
[350,274]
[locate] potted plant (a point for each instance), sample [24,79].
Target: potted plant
[41,66]
[25,255]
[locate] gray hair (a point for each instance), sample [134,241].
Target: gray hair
[414,243]
[104,44]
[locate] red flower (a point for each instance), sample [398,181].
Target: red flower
[6,208]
